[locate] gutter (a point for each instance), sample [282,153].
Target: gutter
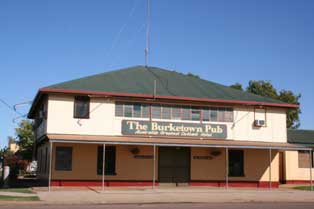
[152,96]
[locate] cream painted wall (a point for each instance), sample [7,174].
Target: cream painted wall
[61,121]
[293,172]
[102,121]
[243,129]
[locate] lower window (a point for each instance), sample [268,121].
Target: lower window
[305,159]
[236,163]
[63,159]
[110,160]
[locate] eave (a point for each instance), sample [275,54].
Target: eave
[151,96]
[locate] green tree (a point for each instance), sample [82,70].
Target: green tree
[25,135]
[262,88]
[293,119]
[237,86]
[25,138]
[266,89]
[193,75]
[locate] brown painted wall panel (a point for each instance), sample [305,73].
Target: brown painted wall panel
[84,164]
[129,168]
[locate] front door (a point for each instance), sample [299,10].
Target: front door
[174,164]
[281,168]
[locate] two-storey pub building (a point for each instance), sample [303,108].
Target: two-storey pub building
[145,126]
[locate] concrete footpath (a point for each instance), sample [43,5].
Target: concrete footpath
[17,194]
[172,195]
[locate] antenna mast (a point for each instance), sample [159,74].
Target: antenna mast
[147,32]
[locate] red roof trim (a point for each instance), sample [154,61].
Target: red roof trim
[150,96]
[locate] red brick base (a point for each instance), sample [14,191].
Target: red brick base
[256,184]
[298,182]
[99,183]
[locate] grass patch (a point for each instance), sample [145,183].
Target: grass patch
[15,198]
[18,190]
[305,188]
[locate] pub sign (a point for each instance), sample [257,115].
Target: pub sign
[174,129]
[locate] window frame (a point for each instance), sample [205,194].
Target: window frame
[154,113]
[80,99]
[176,112]
[58,167]
[307,155]
[166,112]
[119,112]
[196,111]
[213,111]
[163,111]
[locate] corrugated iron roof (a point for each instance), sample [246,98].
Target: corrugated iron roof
[301,136]
[140,80]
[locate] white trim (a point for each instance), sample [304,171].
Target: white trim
[180,145]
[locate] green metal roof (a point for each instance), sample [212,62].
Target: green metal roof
[301,136]
[140,80]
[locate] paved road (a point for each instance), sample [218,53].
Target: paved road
[171,206]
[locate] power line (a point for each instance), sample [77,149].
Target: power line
[147,32]
[122,28]
[129,44]
[21,104]
[10,107]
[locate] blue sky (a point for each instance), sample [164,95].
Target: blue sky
[226,41]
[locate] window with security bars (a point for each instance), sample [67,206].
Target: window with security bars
[174,112]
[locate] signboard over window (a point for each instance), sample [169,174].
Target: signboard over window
[174,129]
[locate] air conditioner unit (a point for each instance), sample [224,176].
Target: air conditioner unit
[259,123]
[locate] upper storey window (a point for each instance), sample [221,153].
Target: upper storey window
[81,107]
[195,113]
[174,112]
[132,110]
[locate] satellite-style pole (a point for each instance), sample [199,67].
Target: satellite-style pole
[147,32]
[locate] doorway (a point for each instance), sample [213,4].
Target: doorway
[282,178]
[174,164]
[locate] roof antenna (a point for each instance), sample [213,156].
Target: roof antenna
[147,32]
[155,88]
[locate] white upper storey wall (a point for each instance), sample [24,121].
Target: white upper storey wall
[103,121]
